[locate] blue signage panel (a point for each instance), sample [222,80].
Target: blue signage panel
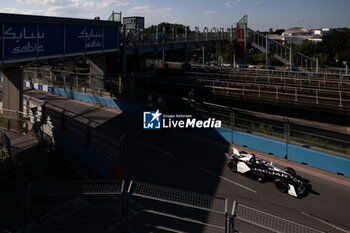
[75,39]
[51,39]
[20,40]
[32,40]
[111,38]
[94,38]
[0,41]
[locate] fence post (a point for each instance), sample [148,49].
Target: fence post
[340,100]
[232,118]
[233,214]
[286,135]
[125,212]
[296,95]
[317,97]
[276,92]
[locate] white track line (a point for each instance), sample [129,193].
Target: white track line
[325,222]
[232,182]
[156,148]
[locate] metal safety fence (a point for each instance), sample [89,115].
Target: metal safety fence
[333,139]
[93,84]
[315,90]
[247,219]
[115,206]
[328,94]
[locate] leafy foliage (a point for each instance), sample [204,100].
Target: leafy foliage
[332,51]
[168,28]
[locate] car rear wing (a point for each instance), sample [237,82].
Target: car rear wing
[236,153]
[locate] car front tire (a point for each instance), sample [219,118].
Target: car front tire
[290,171]
[233,166]
[281,185]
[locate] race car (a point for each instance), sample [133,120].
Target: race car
[286,181]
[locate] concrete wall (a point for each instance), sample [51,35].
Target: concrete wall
[12,92]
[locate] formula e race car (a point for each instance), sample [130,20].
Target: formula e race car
[286,181]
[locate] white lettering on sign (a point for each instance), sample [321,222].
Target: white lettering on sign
[91,34]
[28,48]
[9,35]
[94,44]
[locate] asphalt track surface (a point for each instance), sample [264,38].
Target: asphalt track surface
[189,161]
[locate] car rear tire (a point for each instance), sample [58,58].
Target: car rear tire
[281,185]
[290,171]
[233,166]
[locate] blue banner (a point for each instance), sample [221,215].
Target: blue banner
[51,40]
[94,38]
[20,40]
[75,39]
[32,40]
[111,38]
[0,41]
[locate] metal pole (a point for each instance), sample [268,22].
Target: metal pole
[286,135]
[124,54]
[203,54]
[245,43]
[317,66]
[156,34]
[267,53]
[232,116]
[175,33]
[290,58]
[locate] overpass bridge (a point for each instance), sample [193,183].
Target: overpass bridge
[240,36]
[26,39]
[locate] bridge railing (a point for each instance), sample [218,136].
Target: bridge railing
[162,38]
[283,53]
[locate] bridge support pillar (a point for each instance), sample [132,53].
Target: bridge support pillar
[13,90]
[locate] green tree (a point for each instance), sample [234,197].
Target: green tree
[168,28]
[332,50]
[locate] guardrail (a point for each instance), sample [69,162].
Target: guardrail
[140,207]
[247,219]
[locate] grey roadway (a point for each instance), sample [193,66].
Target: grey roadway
[189,161]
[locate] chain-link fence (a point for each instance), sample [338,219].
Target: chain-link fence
[247,219]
